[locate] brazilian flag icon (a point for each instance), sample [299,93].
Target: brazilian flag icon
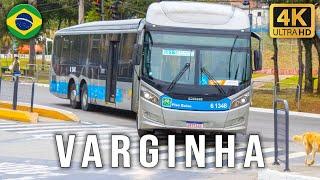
[24,21]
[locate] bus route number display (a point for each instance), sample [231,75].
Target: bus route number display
[292,20]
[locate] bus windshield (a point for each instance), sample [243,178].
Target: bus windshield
[225,57]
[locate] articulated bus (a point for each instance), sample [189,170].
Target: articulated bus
[186,67]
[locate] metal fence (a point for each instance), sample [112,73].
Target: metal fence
[281,133]
[266,92]
[289,91]
[40,72]
[16,90]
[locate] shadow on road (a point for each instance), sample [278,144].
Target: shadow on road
[107,111]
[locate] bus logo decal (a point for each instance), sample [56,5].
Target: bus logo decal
[166,102]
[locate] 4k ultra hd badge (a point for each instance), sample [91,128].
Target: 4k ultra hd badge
[292,20]
[24,21]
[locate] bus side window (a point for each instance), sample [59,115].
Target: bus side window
[96,43]
[56,54]
[75,50]
[65,54]
[125,61]
[84,39]
[104,50]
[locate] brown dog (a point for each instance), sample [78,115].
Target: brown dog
[311,142]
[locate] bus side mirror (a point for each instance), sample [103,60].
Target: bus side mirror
[257,58]
[137,53]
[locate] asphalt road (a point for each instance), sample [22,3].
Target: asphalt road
[25,147]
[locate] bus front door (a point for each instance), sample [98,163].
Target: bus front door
[112,72]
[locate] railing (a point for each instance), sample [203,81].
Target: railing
[281,132]
[38,71]
[284,92]
[13,90]
[268,90]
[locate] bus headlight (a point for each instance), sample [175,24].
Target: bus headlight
[242,100]
[149,95]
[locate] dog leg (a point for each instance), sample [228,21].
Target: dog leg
[313,155]
[307,157]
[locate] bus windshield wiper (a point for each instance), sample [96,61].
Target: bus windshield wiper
[231,53]
[218,86]
[179,75]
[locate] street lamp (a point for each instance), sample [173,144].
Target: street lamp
[247,3]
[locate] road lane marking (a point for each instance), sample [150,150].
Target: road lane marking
[52,127]
[68,130]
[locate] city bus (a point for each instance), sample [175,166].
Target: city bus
[187,66]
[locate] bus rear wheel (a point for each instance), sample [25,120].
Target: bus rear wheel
[84,98]
[73,96]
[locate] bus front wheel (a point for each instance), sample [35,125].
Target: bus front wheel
[140,131]
[73,96]
[84,98]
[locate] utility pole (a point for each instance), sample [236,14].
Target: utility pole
[81,12]
[32,44]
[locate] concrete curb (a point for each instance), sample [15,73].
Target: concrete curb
[291,113]
[17,115]
[43,111]
[274,175]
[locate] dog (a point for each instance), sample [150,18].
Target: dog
[311,142]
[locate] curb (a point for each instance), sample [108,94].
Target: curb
[291,113]
[43,111]
[273,174]
[17,115]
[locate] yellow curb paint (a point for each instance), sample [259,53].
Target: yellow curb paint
[44,111]
[17,115]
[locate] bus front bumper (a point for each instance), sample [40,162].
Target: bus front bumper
[153,117]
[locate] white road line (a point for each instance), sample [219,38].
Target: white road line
[28,169]
[7,123]
[270,160]
[83,135]
[66,130]
[51,127]
[36,125]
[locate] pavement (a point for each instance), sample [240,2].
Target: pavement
[28,151]
[259,82]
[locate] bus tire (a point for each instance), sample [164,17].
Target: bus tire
[84,98]
[73,96]
[225,136]
[140,131]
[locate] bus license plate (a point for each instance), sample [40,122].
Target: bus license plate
[195,125]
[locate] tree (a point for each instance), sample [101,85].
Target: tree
[300,61]
[316,42]
[308,87]
[275,64]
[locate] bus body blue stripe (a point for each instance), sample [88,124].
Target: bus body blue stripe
[95,92]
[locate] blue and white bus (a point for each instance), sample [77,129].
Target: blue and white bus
[186,66]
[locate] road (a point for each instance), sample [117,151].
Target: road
[28,151]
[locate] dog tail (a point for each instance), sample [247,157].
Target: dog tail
[298,138]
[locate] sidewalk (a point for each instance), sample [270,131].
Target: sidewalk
[260,81]
[297,172]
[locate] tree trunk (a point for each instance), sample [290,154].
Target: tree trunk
[60,22]
[316,42]
[32,57]
[81,12]
[308,87]
[275,64]
[301,66]
[32,50]
[44,47]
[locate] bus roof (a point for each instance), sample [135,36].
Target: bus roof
[102,27]
[197,15]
